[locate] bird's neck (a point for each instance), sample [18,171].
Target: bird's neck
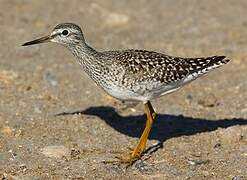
[82,50]
[86,57]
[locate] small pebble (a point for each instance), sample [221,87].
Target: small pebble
[238,178]
[75,153]
[37,110]
[196,162]
[217,145]
[51,78]
[231,135]
[58,152]
[209,101]
[6,130]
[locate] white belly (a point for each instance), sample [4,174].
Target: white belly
[146,91]
[124,94]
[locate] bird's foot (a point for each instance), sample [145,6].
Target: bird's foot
[128,159]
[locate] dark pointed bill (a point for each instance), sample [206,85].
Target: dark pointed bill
[37,41]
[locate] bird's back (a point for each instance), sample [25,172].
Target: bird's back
[161,67]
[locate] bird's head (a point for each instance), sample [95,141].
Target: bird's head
[67,34]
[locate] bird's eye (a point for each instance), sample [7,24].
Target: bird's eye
[65,32]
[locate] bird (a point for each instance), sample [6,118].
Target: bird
[132,74]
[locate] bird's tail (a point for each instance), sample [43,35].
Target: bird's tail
[203,65]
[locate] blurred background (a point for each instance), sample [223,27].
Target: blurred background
[201,130]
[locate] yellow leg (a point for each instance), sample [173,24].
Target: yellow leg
[139,149]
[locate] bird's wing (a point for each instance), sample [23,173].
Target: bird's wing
[144,65]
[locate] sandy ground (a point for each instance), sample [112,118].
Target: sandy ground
[201,130]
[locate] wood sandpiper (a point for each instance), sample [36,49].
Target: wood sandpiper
[137,75]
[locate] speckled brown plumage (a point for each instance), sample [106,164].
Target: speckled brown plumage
[161,67]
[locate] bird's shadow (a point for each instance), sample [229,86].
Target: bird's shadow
[165,126]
